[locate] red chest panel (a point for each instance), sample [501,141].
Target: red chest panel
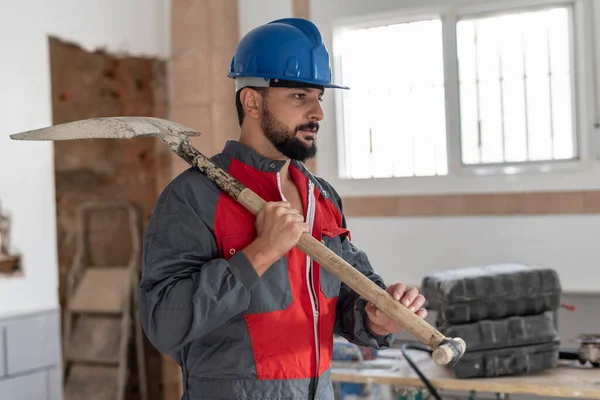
[281,318]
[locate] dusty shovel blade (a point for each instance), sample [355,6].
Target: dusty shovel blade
[110,128]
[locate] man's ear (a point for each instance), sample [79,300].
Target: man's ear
[251,102]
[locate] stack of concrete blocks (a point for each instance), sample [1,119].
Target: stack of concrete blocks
[504,313]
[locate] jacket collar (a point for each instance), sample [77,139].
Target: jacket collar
[250,157]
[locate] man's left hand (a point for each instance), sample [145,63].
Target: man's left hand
[381,324]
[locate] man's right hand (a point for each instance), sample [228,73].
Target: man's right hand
[278,228]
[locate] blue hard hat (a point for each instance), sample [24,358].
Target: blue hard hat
[288,49]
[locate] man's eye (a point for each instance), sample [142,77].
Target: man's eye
[299,96]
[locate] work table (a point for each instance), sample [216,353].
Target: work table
[569,379]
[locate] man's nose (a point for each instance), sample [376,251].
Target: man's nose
[316,111]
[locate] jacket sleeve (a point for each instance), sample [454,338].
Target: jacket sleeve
[186,290]
[351,318]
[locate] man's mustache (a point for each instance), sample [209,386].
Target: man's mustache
[309,126]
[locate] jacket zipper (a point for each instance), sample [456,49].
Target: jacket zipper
[309,271]
[310,216]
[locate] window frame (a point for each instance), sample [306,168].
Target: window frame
[580,173]
[583,153]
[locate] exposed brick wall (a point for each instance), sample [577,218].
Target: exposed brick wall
[99,84]
[86,85]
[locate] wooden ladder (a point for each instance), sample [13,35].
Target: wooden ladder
[101,319]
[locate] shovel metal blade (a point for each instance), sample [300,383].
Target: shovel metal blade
[109,128]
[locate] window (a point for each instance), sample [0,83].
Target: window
[516,97]
[458,92]
[393,116]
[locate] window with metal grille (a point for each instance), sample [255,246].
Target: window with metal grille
[506,78]
[516,98]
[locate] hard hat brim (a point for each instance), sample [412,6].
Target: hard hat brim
[268,77]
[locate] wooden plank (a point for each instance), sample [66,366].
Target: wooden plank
[102,290]
[95,339]
[91,383]
[474,204]
[568,379]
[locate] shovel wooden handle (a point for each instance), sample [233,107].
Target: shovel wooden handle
[445,350]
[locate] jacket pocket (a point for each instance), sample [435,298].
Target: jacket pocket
[273,291]
[332,238]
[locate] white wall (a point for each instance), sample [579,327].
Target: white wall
[26,168]
[404,249]
[253,13]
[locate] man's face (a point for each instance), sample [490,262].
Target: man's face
[290,120]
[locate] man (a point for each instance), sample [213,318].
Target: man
[243,311]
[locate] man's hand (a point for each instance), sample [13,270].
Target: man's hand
[381,324]
[278,228]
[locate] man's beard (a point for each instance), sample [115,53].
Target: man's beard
[285,141]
